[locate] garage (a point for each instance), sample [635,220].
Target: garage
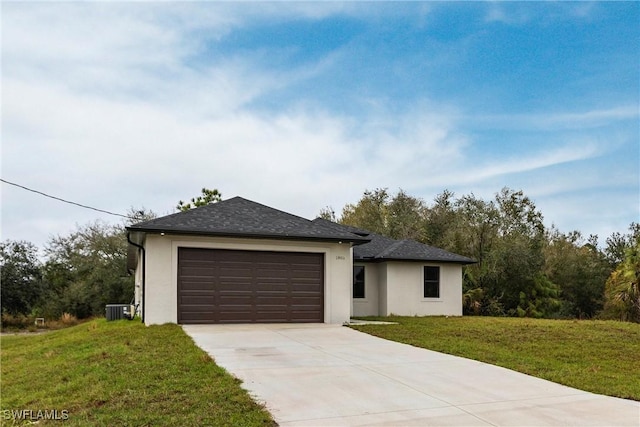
[240,286]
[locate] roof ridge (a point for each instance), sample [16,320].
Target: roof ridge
[238,216]
[188,211]
[391,248]
[348,228]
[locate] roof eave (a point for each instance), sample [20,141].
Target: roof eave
[439,261]
[345,239]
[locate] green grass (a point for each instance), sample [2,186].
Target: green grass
[598,356]
[122,373]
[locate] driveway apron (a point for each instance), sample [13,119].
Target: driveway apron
[330,375]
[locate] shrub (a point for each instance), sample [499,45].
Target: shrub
[18,321]
[22,322]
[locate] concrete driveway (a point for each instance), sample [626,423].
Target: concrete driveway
[329,375]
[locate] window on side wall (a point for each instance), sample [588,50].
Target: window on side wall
[431,282]
[358,281]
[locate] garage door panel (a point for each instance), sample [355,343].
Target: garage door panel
[301,267]
[234,289]
[311,278]
[272,274]
[226,272]
[298,266]
[200,317]
[304,305]
[301,295]
[280,301]
[197,285]
[245,300]
[232,285]
[232,318]
[195,300]
[276,286]
[228,286]
[197,272]
[272,265]
[304,316]
[195,255]
[302,289]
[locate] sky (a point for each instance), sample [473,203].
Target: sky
[305,105]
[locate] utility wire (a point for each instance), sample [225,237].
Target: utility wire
[63,200]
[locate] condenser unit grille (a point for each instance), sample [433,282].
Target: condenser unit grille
[119,311]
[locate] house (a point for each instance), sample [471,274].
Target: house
[239,261]
[403,277]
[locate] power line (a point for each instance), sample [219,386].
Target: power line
[63,200]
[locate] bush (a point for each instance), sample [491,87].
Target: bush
[21,322]
[18,321]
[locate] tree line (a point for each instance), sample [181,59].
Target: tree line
[523,268]
[80,273]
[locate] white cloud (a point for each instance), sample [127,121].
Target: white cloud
[539,160]
[107,105]
[563,120]
[120,103]
[520,13]
[497,12]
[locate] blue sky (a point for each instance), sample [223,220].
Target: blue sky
[303,105]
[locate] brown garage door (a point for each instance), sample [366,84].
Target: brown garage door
[228,286]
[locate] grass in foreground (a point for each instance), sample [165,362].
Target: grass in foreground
[597,356]
[122,373]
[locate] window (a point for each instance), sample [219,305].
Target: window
[432,282]
[358,281]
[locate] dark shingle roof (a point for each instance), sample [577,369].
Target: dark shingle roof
[382,248]
[410,250]
[341,227]
[238,217]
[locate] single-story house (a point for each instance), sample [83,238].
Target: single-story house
[403,277]
[239,261]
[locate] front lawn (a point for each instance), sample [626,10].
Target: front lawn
[598,356]
[121,373]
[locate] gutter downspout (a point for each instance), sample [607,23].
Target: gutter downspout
[144,271]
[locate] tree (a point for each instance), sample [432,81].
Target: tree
[618,244]
[21,277]
[476,230]
[405,217]
[139,215]
[622,290]
[505,236]
[522,268]
[440,222]
[400,216]
[519,258]
[580,270]
[87,270]
[518,214]
[370,213]
[328,213]
[540,300]
[207,197]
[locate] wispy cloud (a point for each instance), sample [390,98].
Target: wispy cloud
[520,13]
[556,121]
[497,12]
[538,160]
